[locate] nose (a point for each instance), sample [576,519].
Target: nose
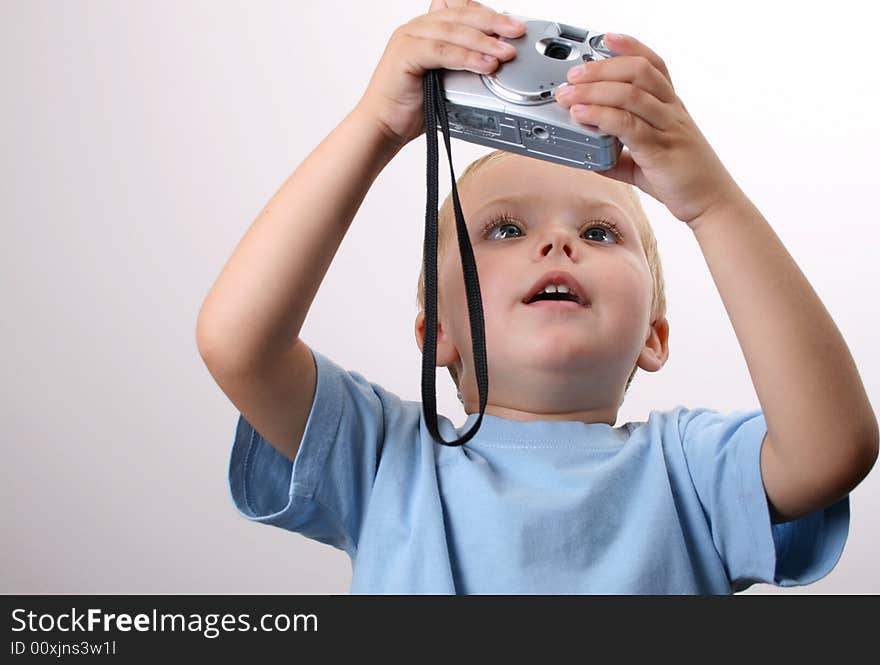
[557,240]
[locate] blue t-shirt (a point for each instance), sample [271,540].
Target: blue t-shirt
[674,505]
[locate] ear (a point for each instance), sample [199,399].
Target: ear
[447,354]
[656,349]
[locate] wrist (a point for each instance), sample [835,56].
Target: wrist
[389,142]
[735,205]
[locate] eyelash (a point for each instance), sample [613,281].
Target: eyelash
[505,218]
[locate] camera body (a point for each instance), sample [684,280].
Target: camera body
[514,107]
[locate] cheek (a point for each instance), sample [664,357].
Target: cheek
[496,291]
[499,282]
[450,288]
[624,284]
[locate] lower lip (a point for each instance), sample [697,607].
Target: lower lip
[557,304]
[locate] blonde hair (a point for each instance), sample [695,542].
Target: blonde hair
[446,232]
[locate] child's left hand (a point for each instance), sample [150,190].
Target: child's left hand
[631,96]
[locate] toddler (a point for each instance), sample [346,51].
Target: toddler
[549,497]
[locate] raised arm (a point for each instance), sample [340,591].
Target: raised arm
[257,306]
[249,324]
[822,434]
[821,430]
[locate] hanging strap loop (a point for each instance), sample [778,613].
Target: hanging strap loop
[435,104]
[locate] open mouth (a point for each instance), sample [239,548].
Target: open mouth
[556,289]
[557,297]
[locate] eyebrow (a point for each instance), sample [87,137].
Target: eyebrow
[586,201]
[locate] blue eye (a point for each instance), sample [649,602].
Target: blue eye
[602,228]
[500,224]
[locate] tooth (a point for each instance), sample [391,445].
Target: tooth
[562,288]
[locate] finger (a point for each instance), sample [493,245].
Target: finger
[626,45]
[624,96]
[466,37]
[477,16]
[459,42]
[425,53]
[628,127]
[637,70]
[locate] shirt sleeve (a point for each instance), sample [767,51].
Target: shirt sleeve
[723,455]
[323,493]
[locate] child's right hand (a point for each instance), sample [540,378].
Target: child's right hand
[454,34]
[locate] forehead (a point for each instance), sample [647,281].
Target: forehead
[528,181]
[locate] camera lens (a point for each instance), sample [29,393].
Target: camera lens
[557,51]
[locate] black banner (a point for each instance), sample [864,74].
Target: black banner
[134,628]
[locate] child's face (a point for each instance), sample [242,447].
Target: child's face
[549,363]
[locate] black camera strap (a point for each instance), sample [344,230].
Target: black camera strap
[435,104]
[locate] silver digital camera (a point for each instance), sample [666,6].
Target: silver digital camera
[514,107]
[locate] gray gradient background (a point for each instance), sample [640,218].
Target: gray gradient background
[140,140]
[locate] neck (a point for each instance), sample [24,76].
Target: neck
[607,415]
